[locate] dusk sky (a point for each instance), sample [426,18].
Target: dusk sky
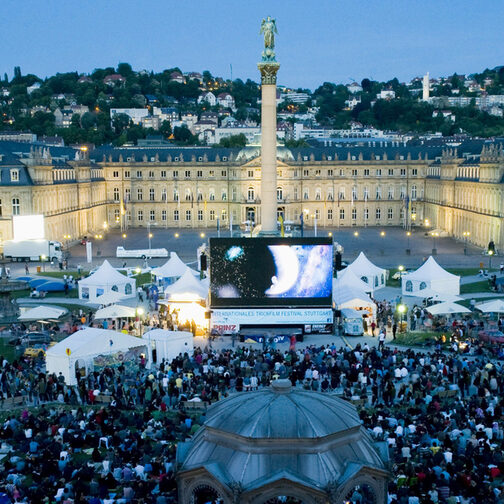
[322,40]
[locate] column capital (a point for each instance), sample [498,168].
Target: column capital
[268,71]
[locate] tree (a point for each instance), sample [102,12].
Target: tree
[182,134]
[17,73]
[233,141]
[165,128]
[88,121]
[120,122]
[124,69]
[366,85]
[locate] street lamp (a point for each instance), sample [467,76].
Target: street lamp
[176,235]
[434,236]
[43,257]
[149,234]
[401,269]
[124,235]
[402,310]
[382,234]
[466,235]
[202,235]
[408,249]
[329,234]
[356,234]
[490,254]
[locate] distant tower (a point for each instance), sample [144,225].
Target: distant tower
[268,68]
[426,87]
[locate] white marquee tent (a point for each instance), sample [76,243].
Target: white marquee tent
[447,308]
[84,346]
[187,288]
[115,311]
[351,297]
[104,280]
[169,344]
[348,277]
[42,313]
[430,276]
[493,306]
[171,270]
[372,275]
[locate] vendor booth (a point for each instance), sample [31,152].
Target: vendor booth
[430,276]
[374,276]
[349,297]
[91,350]
[168,344]
[186,300]
[104,280]
[171,270]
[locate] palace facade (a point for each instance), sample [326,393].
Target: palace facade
[456,189]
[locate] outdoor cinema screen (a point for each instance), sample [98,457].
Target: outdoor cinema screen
[271,271]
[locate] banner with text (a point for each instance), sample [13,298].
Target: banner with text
[229,321]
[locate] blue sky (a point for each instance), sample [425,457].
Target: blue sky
[319,40]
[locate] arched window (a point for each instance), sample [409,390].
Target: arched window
[409,286]
[188,194]
[376,281]
[127,289]
[115,288]
[250,194]
[423,286]
[365,279]
[382,279]
[16,207]
[203,494]
[279,194]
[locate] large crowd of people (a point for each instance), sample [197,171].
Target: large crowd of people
[440,413]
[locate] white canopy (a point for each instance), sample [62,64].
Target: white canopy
[84,346]
[348,297]
[108,298]
[169,344]
[42,313]
[186,286]
[371,274]
[438,296]
[173,268]
[348,277]
[106,279]
[446,308]
[493,306]
[430,275]
[115,311]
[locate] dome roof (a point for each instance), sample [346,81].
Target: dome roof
[281,411]
[314,437]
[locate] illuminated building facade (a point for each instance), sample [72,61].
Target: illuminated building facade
[459,190]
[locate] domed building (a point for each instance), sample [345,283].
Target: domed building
[282,444]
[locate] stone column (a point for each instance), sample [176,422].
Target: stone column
[268,146]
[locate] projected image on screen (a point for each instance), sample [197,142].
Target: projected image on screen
[264,272]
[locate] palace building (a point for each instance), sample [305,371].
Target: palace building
[456,189]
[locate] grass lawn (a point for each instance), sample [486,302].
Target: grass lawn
[464,271]
[415,338]
[143,278]
[467,302]
[390,281]
[482,286]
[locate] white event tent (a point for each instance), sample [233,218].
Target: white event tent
[430,276]
[171,270]
[350,297]
[42,313]
[168,344]
[447,308]
[114,312]
[372,275]
[80,349]
[348,277]
[104,280]
[187,288]
[493,306]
